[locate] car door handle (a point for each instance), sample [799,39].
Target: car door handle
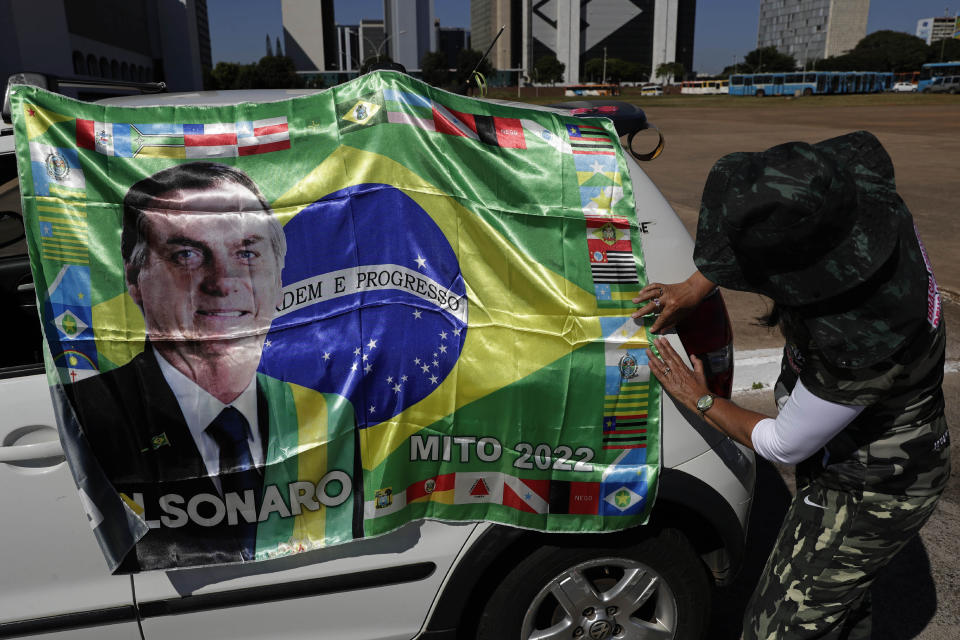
[26,452]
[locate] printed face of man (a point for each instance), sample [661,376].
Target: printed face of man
[210,281]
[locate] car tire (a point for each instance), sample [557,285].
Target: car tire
[655,588]
[760,93]
[808,91]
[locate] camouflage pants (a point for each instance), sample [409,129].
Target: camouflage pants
[832,544]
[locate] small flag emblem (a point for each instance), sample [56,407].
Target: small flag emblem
[362,112]
[480,488]
[160,440]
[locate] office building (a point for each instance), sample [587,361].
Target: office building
[942,28]
[310,34]
[409,30]
[151,40]
[203,34]
[348,47]
[486,18]
[812,29]
[372,36]
[648,32]
[451,41]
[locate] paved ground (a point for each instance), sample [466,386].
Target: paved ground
[918,596]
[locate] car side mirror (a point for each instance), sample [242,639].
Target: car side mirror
[35,79]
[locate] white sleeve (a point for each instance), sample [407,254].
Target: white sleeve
[804,424]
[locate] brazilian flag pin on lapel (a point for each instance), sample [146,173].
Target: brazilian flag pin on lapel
[160,440]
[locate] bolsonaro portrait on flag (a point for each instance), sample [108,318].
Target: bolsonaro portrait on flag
[188,431]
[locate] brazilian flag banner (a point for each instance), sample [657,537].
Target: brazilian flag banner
[276,327]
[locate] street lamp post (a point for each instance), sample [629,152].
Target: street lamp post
[379,47]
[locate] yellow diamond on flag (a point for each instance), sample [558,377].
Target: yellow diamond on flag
[362,112]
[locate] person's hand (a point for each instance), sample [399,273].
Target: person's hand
[672,302]
[684,384]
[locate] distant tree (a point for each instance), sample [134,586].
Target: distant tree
[881,51]
[945,50]
[845,62]
[891,51]
[276,72]
[765,59]
[434,70]
[548,69]
[271,72]
[617,70]
[209,82]
[640,72]
[670,71]
[279,50]
[269,48]
[592,70]
[224,75]
[246,77]
[467,59]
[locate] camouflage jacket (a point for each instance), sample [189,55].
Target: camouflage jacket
[899,444]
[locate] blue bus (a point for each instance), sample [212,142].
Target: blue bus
[808,83]
[933,70]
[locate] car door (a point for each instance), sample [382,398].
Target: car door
[373,589]
[55,580]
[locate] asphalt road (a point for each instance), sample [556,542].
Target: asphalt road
[918,594]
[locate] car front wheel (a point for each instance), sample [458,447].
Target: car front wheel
[657,588]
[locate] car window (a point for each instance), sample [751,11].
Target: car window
[22,353]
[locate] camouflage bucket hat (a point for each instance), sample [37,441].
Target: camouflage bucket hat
[820,229]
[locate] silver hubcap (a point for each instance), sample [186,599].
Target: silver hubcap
[603,599]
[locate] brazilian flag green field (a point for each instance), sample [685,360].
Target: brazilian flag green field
[273,327]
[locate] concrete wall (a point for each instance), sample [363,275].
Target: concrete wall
[664,34]
[798,28]
[409,27]
[34,37]
[848,26]
[159,38]
[304,27]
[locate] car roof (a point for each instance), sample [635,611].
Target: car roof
[214,98]
[207,98]
[7,144]
[240,96]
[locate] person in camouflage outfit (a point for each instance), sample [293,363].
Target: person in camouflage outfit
[821,230]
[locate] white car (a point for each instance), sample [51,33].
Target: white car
[428,580]
[904,87]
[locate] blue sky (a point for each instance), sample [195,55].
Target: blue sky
[725,28]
